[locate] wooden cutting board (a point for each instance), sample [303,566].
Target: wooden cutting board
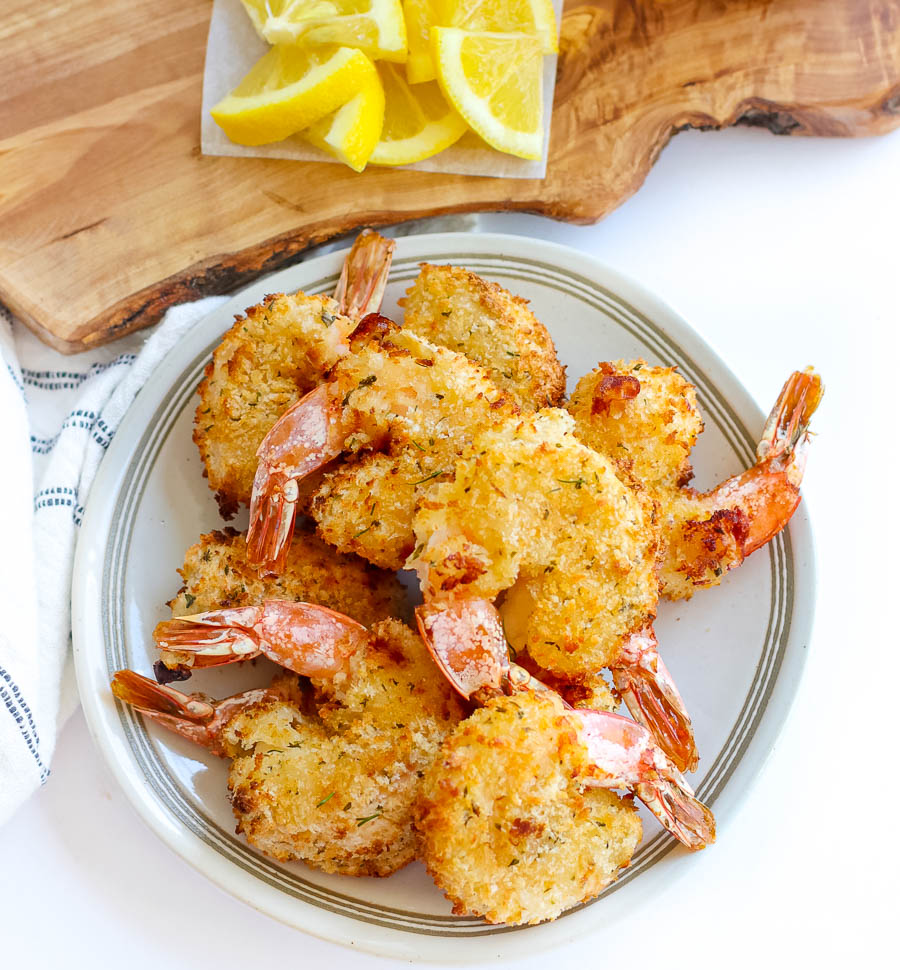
[109,213]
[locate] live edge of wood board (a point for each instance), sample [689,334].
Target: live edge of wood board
[109,213]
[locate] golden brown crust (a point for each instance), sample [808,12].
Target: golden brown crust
[509,831]
[336,787]
[265,362]
[649,431]
[452,307]
[537,513]
[701,542]
[412,408]
[216,576]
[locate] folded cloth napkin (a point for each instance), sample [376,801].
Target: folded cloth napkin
[59,416]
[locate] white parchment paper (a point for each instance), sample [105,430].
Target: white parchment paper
[233,47]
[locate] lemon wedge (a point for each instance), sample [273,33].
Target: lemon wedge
[290,88]
[374,26]
[495,81]
[352,132]
[420,18]
[418,122]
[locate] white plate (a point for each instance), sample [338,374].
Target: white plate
[736,651]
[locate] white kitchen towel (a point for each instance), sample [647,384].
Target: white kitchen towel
[58,417]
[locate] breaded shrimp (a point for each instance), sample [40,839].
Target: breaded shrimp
[269,359]
[402,410]
[510,829]
[450,306]
[533,513]
[334,787]
[646,419]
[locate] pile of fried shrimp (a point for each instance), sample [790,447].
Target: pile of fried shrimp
[502,730]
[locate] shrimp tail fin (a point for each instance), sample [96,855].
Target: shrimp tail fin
[680,812]
[775,480]
[306,437]
[157,699]
[187,643]
[273,513]
[624,755]
[192,716]
[307,638]
[364,274]
[188,715]
[467,642]
[786,433]
[649,692]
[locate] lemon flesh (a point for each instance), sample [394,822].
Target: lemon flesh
[495,81]
[418,122]
[291,88]
[420,18]
[504,16]
[376,27]
[351,133]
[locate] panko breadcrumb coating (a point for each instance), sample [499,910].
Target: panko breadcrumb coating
[407,409]
[450,306]
[509,831]
[265,363]
[336,788]
[537,513]
[216,576]
[646,419]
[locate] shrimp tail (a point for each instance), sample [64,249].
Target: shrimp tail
[649,692]
[786,434]
[774,482]
[193,716]
[624,755]
[157,699]
[679,811]
[364,274]
[307,436]
[467,642]
[309,639]
[753,507]
[188,715]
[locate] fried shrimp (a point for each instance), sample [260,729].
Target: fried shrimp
[270,358]
[329,779]
[510,829]
[512,825]
[401,410]
[536,514]
[216,576]
[646,419]
[450,306]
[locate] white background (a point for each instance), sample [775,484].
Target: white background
[780,252]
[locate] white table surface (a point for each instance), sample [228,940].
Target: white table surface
[780,252]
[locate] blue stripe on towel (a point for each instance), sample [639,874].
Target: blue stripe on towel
[66,380]
[13,700]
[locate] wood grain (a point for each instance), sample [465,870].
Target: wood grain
[109,213]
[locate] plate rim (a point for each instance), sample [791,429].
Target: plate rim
[87,577]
